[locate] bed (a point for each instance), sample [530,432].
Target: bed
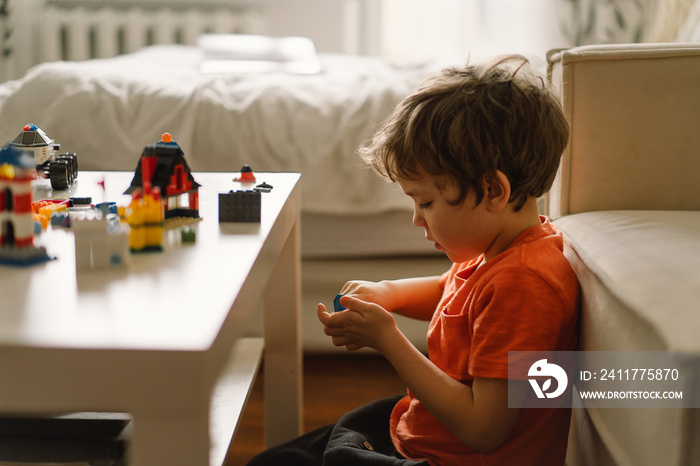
[354,225]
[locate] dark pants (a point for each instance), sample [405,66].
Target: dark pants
[360,437]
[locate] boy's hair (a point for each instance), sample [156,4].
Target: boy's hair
[471,121]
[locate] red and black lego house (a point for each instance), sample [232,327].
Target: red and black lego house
[163,165]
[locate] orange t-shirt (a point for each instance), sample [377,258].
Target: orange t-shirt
[524,299]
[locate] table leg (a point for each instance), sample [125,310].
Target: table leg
[283,388]
[175,439]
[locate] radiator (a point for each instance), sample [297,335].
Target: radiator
[84,32]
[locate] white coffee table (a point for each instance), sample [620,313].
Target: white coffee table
[161,338]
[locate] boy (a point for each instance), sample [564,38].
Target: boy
[473,148]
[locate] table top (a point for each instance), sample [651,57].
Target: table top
[175,300]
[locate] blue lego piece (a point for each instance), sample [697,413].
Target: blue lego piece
[23,257]
[336,304]
[107,207]
[57,218]
[17,157]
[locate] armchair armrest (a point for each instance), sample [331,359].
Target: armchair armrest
[634,111]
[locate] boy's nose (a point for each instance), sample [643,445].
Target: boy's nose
[418,219]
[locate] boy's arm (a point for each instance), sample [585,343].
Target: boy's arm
[479,415]
[411,297]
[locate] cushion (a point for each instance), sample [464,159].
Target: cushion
[640,280]
[645,265]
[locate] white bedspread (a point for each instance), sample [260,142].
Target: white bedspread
[108,110]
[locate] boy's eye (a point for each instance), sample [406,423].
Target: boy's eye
[424,205]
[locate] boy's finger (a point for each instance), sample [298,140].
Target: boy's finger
[355,304]
[322,313]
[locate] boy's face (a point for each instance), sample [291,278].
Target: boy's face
[463,231]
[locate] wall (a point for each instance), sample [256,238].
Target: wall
[419,30]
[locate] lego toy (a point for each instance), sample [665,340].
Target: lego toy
[188,234]
[17,170]
[100,241]
[247,175]
[239,206]
[44,210]
[163,166]
[62,170]
[107,207]
[145,214]
[60,219]
[263,187]
[79,201]
[337,307]
[145,217]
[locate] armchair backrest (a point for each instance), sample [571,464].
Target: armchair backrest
[634,112]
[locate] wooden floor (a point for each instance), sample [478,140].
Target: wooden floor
[333,385]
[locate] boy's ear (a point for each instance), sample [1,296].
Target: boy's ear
[496,190]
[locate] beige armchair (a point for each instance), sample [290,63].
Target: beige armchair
[628,200]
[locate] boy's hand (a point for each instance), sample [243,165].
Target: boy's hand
[362,325]
[415,297]
[372,292]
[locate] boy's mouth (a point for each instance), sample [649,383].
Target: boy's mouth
[435,243]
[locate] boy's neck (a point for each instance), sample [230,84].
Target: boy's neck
[514,223]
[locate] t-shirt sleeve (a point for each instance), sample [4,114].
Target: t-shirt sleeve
[516,311]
